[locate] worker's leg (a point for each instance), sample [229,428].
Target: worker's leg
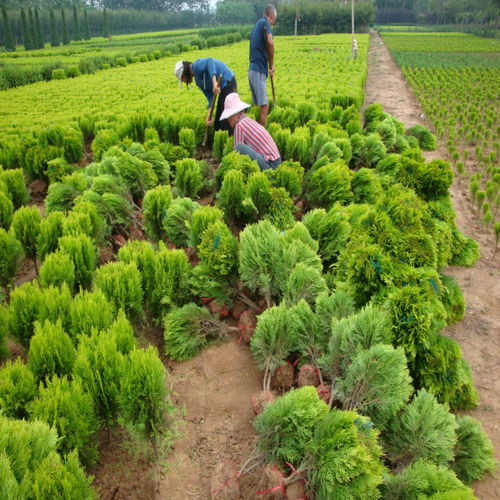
[259,93]
[224,124]
[264,110]
[244,149]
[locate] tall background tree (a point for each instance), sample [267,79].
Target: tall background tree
[26,33]
[76,26]
[65,34]
[105,27]
[86,27]
[54,39]
[38,31]
[10,44]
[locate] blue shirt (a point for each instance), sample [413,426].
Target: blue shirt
[204,69]
[258,50]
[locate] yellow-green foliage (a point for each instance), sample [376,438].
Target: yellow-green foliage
[258,189]
[188,178]
[55,304]
[187,139]
[202,218]
[17,389]
[56,270]
[232,194]
[236,161]
[218,249]
[11,254]
[155,207]
[51,229]
[13,180]
[330,184]
[23,311]
[177,219]
[26,228]
[6,210]
[80,249]
[288,175]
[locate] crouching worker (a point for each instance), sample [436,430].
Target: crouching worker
[205,72]
[250,137]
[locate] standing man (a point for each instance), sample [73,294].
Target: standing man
[262,58]
[205,72]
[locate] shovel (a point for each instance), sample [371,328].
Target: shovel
[272,76]
[210,112]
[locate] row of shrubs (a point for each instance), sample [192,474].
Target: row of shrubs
[16,75]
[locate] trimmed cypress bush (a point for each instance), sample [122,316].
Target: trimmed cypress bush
[177,220]
[258,189]
[424,430]
[6,211]
[187,140]
[122,332]
[218,250]
[303,282]
[426,139]
[122,286]
[51,229]
[17,389]
[55,304]
[80,249]
[143,396]
[367,150]
[202,218]
[89,311]
[98,225]
[16,187]
[64,405]
[26,228]
[330,184]
[453,299]
[434,179]
[51,351]
[75,224]
[231,194]
[281,208]
[366,187]
[155,207]
[188,178]
[25,303]
[288,175]
[11,254]
[235,161]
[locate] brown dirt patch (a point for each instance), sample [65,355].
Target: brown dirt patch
[479,332]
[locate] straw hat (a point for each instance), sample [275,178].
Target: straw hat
[233,105]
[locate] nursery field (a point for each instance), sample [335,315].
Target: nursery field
[179,324]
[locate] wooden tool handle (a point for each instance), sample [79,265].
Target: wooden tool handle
[211,111]
[272,77]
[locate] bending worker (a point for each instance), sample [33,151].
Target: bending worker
[250,137]
[205,72]
[262,57]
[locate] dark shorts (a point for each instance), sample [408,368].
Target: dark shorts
[224,124]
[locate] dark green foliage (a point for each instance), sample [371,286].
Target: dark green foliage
[377,383]
[11,254]
[177,220]
[453,299]
[88,311]
[172,270]
[86,27]
[202,218]
[105,28]
[51,351]
[330,184]
[261,264]
[231,194]
[426,139]
[435,178]
[303,282]
[235,161]
[82,252]
[17,389]
[143,395]
[143,255]
[155,208]
[425,480]
[218,250]
[54,39]
[122,286]
[347,458]
[76,25]
[367,150]
[258,189]
[58,478]
[26,228]
[10,44]
[188,178]
[273,341]
[188,329]
[286,426]
[366,187]
[424,429]
[6,211]
[64,405]
[23,312]
[280,211]
[101,367]
[27,40]
[288,175]
[473,451]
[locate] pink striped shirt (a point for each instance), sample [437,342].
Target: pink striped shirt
[253,134]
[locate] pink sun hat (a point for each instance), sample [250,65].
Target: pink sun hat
[233,105]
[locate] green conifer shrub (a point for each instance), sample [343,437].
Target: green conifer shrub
[231,194]
[57,168]
[188,329]
[64,405]
[331,151]
[75,224]
[187,140]
[201,219]
[188,178]
[61,195]
[435,179]
[218,250]
[473,451]
[17,389]
[143,255]
[465,250]
[172,271]
[122,286]
[273,341]
[307,111]
[288,175]
[453,299]
[287,425]
[16,186]
[329,306]
[366,187]
[347,458]
[303,282]
[298,146]
[372,115]
[221,137]
[26,228]
[261,265]
[11,254]
[143,395]
[280,211]
[98,225]
[258,189]
[6,211]
[426,139]
[176,221]
[330,184]
[62,478]
[155,206]
[424,479]
[51,351]
[388,133]
[152,155]
[101,367]
[377,383]
[23,311]
[367,150]
[235,161]
[299,232]
[424,430]
[82,252]
[51,229]
[55,304]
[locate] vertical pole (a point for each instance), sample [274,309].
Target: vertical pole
[352,18]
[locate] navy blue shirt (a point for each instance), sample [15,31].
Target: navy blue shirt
[204,69]
[258,50]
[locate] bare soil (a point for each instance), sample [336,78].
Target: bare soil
[479,332]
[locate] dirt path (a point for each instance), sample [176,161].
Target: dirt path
[479,332]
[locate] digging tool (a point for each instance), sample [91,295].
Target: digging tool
[272,76]
[211,111]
